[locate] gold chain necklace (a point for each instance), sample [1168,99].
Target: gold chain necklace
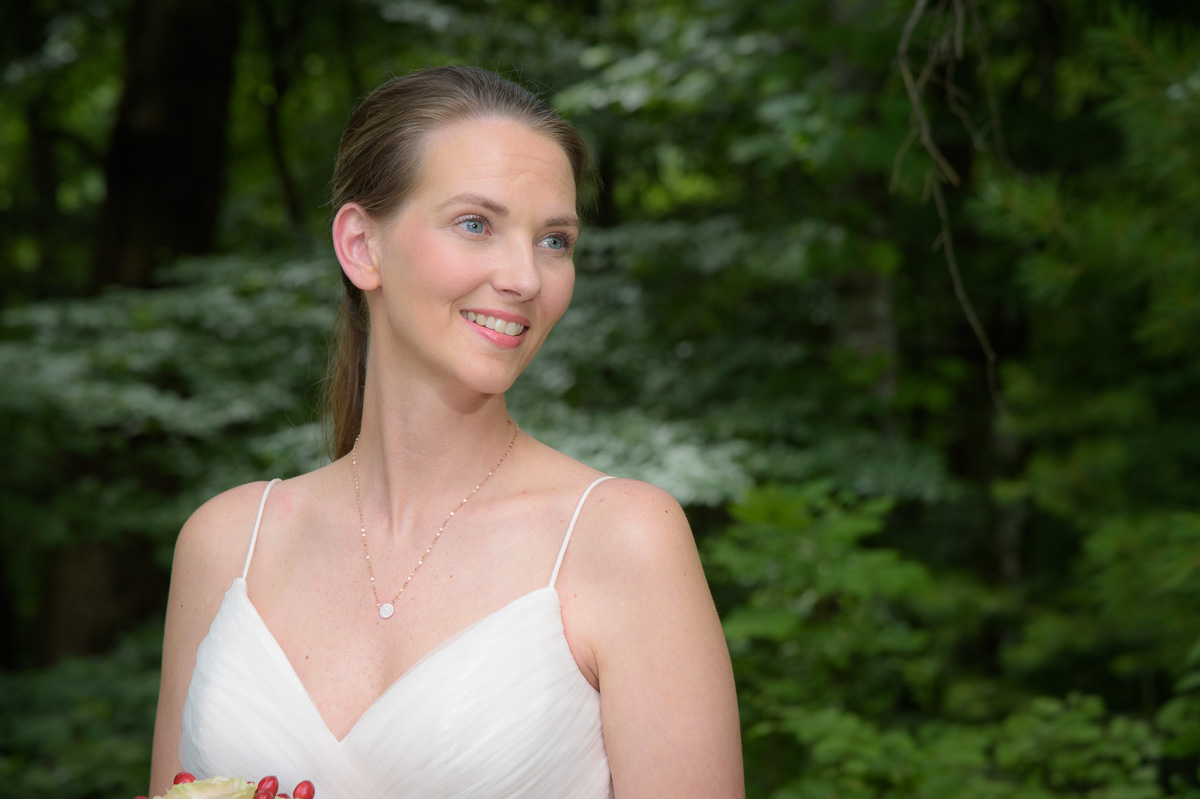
[386,609]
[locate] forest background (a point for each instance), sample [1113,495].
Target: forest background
[900,298]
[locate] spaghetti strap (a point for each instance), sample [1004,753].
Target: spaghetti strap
[571,526]
[254,537]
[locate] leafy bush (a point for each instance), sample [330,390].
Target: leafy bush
[82,727]
[849,686]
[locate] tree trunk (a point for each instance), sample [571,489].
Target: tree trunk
[166,159]
[281,31]
[865,320]
[94,593]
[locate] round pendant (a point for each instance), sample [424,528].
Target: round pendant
[386,610]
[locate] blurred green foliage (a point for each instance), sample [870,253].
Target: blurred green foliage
[928,590]
[846,657]
[81,727]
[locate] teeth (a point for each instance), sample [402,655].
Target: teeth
[492,323]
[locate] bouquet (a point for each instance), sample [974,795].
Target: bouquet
[188,787]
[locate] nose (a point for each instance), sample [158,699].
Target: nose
[515,271]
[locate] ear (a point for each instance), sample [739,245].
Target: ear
[353,229]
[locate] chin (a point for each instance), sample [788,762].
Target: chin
[491,384]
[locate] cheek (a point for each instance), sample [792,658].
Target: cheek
[433,266]
[558,290]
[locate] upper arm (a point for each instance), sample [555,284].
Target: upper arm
[667,694]
[209,554]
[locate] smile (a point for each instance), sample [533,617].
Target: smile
[492,323]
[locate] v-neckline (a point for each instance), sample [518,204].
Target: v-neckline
[442,646]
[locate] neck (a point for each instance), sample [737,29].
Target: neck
[420,452]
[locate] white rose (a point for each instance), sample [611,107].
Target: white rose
[213,788]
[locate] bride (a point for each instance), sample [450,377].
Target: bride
[451,607]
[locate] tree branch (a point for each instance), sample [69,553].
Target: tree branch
[948,49]
[946,241]
[914,95]
[985,74]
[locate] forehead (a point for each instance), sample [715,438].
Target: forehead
[496,156]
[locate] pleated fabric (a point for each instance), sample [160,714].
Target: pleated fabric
[498,710]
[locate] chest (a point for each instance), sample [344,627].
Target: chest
[347,656]
[322,609]
[500,709]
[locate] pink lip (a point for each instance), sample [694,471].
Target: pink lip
[501,340]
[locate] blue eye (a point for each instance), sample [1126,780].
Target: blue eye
[475,226]
[557,242]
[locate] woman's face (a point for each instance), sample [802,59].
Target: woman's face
[476,267]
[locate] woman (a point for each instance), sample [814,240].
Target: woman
[559,639]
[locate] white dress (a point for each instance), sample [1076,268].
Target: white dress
[500,709]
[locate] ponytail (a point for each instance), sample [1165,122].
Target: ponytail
[347,373]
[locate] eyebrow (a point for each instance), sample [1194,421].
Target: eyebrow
[502,210]
[477,199]
[563,221]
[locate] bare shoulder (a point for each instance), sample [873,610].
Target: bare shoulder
[209,554]
[642,505]
[634,528]
[625,510]
[215,537]
[650,631]
[632,553]
[626,529]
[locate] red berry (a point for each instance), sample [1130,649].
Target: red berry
[264,795]
[304,790]
[282,796]
[183,777]
[269,784]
